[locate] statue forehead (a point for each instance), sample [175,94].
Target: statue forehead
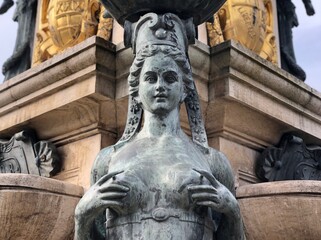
[160,62]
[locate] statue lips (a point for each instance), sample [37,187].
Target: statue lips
[160,97]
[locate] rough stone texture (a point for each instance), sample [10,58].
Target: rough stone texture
[78,100]
[34,207]
[281,210]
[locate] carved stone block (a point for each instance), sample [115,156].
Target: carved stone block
[291,160]
[23,153]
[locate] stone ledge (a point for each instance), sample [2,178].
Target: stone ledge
[60,66]
[232,58]
[79,78]
[272,100]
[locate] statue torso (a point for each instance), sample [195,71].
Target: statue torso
[158,206]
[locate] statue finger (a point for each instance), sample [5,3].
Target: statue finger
[107,177]
[200,197]
[209,177]
[112,195]
[112,204]
[202,188]
[209,204]
[113,187]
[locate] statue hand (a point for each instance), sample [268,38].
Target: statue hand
[214,195]
[5,6]
[309,8]
[103,194]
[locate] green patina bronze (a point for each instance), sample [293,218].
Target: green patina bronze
[156,182]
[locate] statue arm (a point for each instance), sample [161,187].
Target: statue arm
[6,4]
[91,227]
[231,225]
[308,7]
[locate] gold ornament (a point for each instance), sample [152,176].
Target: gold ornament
[65,23]
[249,22]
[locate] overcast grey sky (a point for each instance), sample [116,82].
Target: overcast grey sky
[307,40]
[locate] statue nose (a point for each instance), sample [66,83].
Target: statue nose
[160,86]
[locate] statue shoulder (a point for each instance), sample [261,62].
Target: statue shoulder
[101,163]
[221,169]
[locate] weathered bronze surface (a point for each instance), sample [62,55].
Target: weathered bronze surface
[156,182]
[5,6]
[131,10]
[291,160]
[64,23]
[288,19]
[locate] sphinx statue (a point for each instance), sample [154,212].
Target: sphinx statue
[156,182]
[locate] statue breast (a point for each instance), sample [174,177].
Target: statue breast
[65,19]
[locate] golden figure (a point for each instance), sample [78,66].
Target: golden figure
[64,23]
[249,22]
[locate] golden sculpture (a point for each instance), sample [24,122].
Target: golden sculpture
[64,23]
[249,22]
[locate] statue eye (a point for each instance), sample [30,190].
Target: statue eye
[150,79]
[170,78]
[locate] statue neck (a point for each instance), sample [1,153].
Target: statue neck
[157,125]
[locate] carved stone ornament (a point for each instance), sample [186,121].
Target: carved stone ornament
[292,160]
[249,22]
[24,154]
[63,24]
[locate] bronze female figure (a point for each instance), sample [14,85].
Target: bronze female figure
[156,183]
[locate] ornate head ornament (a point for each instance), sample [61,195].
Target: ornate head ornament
[153,29]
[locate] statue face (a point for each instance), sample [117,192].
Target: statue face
[161,88]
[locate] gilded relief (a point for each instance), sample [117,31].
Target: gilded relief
[65,23]
[249,22]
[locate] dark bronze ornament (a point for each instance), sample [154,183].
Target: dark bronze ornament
[287,19]
[131,10]
[23,153]
[292,160]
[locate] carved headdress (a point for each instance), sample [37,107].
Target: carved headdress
[163,30]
